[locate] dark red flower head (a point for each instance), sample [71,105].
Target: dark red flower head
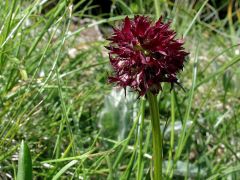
[144,54]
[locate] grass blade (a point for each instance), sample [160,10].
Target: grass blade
[195,18]
[187,114]
[24,163]
[64,169]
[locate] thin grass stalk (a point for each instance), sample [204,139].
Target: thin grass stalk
[140,139]
[184,130]
[157,8]
[140,5]
[170,155]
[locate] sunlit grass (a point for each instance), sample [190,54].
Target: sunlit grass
[54,94]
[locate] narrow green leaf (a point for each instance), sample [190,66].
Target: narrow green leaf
[64,169]
[24,163]
[184,130]
[140,141]
[221,70]
[124,7]
[195,18]
[157,8]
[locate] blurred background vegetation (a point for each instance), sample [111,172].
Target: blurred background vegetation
[54,92]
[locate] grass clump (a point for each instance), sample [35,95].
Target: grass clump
[54,95]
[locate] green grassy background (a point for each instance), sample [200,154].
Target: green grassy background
[54,92]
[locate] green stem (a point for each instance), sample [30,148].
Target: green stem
[157,137]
